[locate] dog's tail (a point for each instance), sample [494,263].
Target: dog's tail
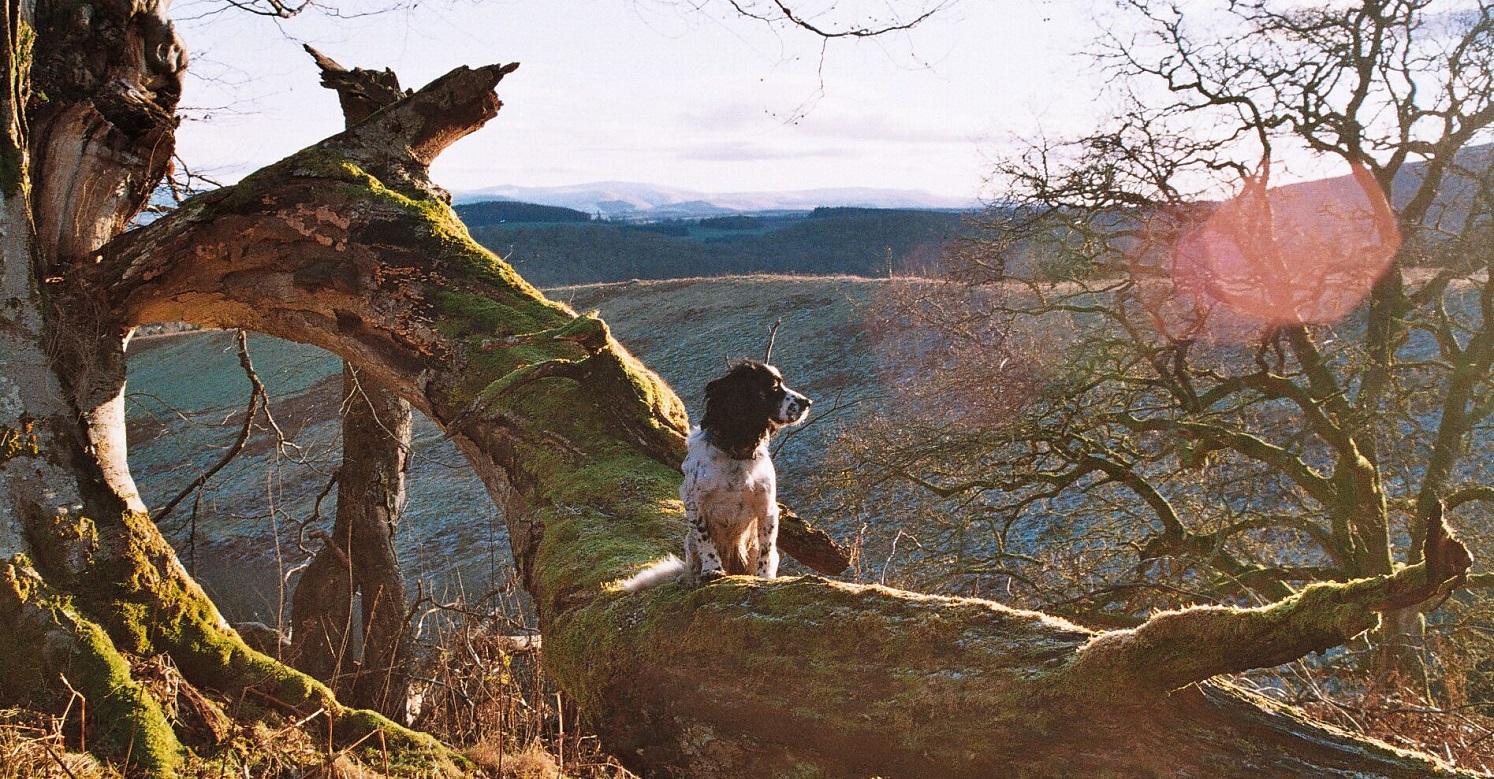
[669,569]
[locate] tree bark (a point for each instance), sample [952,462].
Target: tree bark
[347,245]
[374,490]
[358,557]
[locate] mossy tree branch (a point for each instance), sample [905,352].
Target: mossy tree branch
[1190,645]
[50,647]
[346,245]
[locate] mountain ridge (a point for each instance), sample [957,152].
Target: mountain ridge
[634,200]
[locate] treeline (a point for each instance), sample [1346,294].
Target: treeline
[492,212]
[860,242]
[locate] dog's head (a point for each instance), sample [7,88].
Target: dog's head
[748,404]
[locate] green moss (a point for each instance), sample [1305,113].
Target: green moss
[12,155]
[46,640]
[869,664]
[470,313]
[418,217]
[130,721]
[149,609]
[1176,648]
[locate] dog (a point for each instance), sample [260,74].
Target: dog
[730,489]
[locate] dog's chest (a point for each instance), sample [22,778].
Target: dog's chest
[728,490]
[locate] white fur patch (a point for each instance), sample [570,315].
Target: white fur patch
[732,506]
[667,570]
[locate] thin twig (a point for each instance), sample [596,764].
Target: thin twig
[772,336]
[258,397]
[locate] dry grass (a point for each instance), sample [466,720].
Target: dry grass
[531,762]
[1399,715]
[33,746]
[482,689]
[1446,710]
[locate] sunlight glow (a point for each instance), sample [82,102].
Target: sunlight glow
[1299,254]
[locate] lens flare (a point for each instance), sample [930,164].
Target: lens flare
[1299,254]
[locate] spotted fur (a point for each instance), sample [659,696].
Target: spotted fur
[730,489]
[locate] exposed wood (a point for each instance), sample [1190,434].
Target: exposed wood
[810,545]
[112,75]
[360,91]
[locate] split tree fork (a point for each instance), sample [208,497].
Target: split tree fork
[349,246]
[356,571]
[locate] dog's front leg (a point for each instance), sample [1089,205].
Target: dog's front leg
[767,543]
[698,542]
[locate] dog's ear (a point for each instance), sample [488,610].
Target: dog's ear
[719,394]
[730,413]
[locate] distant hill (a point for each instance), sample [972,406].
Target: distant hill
[853,241]
[492,212]
[631,200]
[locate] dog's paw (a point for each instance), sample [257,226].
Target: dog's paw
[706,577]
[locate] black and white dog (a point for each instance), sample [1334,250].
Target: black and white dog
[730,489]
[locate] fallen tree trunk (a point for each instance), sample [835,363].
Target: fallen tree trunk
[348,246]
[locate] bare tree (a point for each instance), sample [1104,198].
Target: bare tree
[1196,381]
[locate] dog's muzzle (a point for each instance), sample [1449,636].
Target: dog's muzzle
[794,408]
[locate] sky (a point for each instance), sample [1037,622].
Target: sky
[659,91]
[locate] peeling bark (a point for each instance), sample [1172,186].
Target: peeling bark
[347,245]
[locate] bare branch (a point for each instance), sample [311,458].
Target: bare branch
[778,12]
[259,399]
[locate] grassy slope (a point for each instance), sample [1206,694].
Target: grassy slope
[183,388]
